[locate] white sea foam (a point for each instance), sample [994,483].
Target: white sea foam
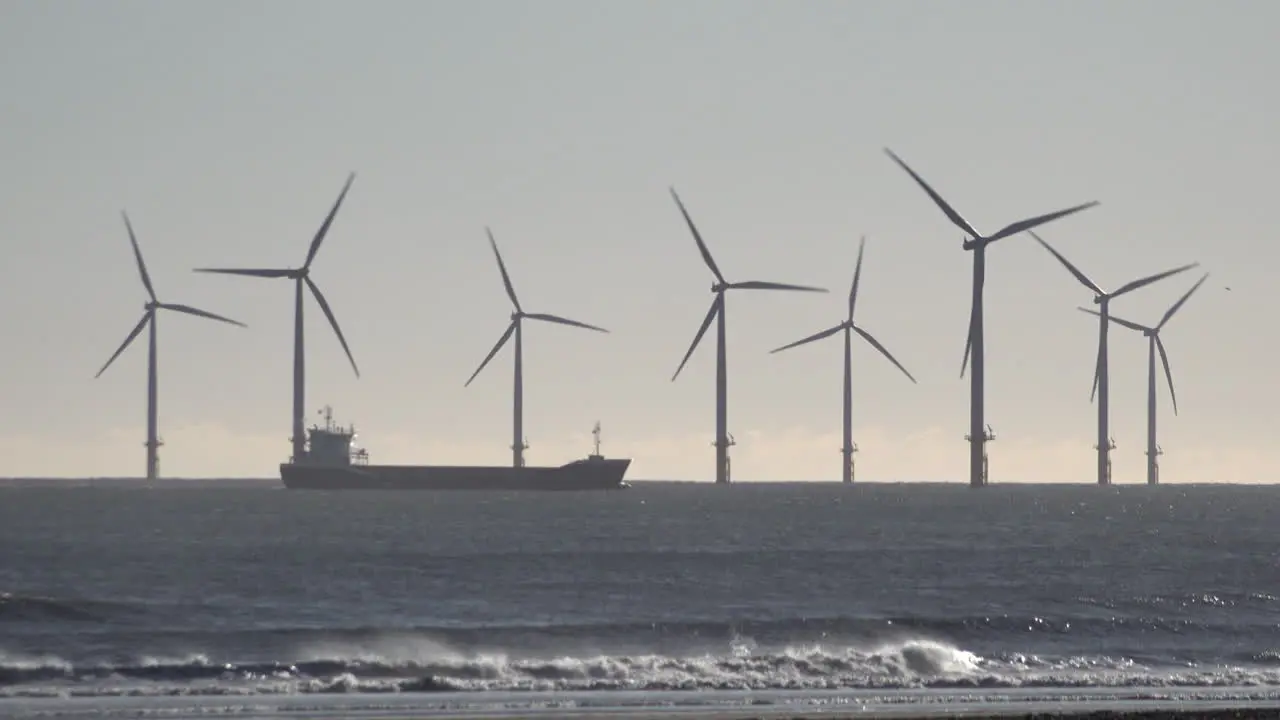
[405,665]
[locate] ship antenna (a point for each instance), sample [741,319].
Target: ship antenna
[595,432]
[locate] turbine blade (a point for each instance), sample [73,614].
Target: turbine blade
[702,246]
[1168,374]
[328,221]
[137,254]
[1143,282]
[199,313]
[1169,313]
[968,342]
[883,351]
[502,267]
[937,199]
[761,285]
[328,312]
[1097,374]
[812,338]
[250,272]
[1124,323]
[1120,321]
[132,334]
[1084,279]
[857,275]
[501,341]
[1023,225]
[563,321]
[706,323]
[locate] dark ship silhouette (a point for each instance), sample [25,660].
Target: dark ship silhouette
[331,461]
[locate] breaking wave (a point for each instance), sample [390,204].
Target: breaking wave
[912,664]
[148,648]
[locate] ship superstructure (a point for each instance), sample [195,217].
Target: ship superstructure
[332,445]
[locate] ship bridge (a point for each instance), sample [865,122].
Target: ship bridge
[333,445]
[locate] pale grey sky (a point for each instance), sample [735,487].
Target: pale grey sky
[227,128]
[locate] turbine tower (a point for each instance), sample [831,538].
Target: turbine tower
[300,277]
[518,446]
[1154,343]
[979,433]
[716,312]
[1101,375]
[149,321]
[849,327]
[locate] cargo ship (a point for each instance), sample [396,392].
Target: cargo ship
[332,461]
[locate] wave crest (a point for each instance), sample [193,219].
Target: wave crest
[434,667]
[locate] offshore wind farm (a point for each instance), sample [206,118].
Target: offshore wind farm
[327,456]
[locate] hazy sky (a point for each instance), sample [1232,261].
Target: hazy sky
[227,128]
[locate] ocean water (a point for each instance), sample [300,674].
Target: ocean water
[665,595]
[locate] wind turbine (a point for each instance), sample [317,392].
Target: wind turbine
[518,446]
[716,312]
[1101,376]
[149,320]
[1154,343]
[979,433]
[302,276]
[848,326]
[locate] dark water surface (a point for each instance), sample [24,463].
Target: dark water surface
[667,587]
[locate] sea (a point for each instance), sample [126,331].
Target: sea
[242,598]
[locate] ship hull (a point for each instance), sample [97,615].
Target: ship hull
[595,474]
